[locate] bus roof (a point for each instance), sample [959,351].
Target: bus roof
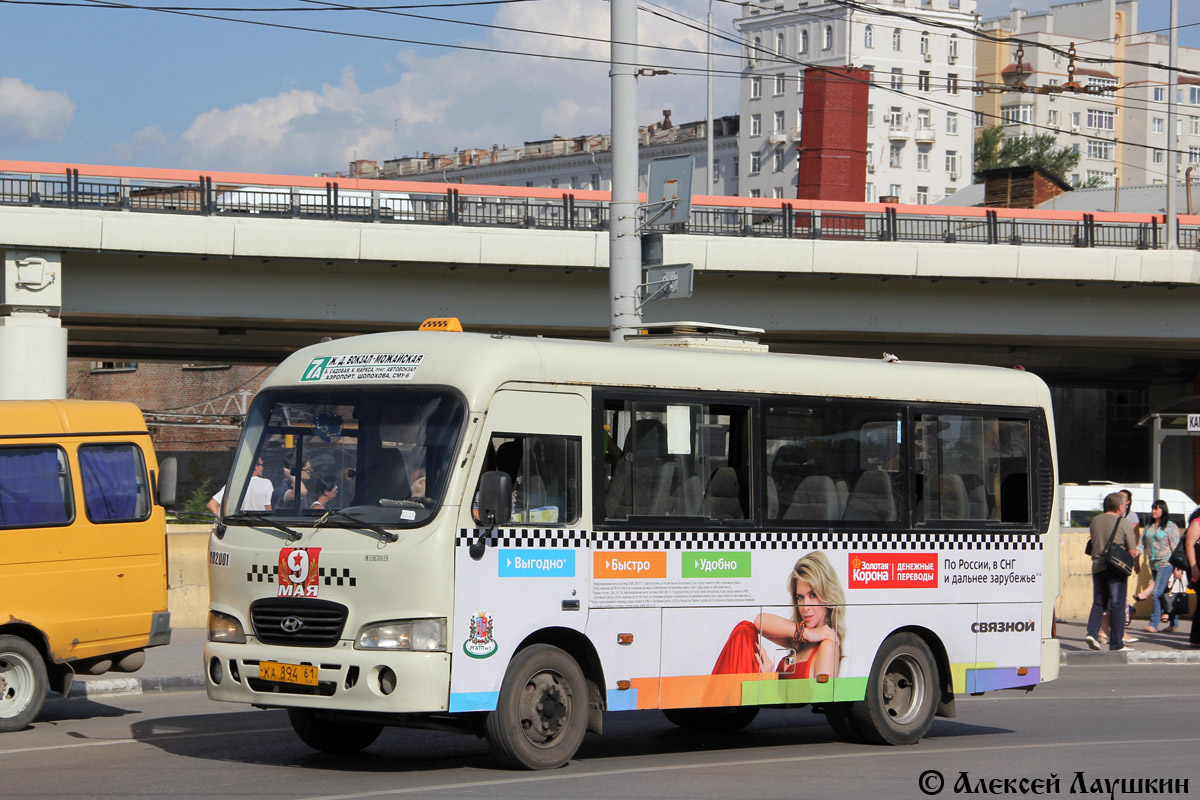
[478,364]
[68,417]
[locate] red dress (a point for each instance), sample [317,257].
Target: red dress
[740,655]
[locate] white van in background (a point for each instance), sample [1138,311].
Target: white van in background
[277,200]
[1081,502]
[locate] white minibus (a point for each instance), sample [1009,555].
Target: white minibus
[511,536]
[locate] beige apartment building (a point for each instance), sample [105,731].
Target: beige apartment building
[1120,133]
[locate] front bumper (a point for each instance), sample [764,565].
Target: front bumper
[348,679]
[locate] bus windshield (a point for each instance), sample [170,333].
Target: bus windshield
[379,456]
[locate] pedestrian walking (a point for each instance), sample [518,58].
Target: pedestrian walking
[1110,585]
[1159,537]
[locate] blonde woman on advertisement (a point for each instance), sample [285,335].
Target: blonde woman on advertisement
[814,634]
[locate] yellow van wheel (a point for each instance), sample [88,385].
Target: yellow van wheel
[22,683]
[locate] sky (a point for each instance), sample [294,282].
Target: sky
[92,83]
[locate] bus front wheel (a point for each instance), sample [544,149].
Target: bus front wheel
[22,683]
[902,693]
[329,736]
[541,714]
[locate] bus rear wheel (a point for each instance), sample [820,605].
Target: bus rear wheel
[22,683]
[541,714]
[902,693]
[330,736]
[726,719]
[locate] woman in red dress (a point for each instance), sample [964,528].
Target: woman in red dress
[813,635]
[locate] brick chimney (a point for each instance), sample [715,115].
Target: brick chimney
[833,144]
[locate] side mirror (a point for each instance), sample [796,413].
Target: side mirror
[168,471]
[495,498]
[495,508]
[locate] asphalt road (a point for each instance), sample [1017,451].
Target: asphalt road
[1107,722]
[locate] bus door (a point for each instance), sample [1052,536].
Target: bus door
[534,572]
[678,512]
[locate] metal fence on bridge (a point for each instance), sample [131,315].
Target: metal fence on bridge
[456,206]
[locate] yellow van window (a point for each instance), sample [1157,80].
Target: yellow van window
[114,483]
[35,487]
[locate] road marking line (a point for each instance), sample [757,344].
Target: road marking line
[66,746]
[147,740]
[870,753]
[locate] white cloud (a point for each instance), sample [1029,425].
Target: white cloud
[456,98]
[32,115]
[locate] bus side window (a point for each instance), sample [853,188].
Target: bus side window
[545,471]
[972,468]
[676,459]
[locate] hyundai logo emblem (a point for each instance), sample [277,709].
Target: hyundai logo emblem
[291,624]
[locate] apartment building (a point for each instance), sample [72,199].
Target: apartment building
[575,163]
[920,104]
[1120,133]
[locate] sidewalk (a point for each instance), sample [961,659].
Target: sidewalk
[1150,648]
[176,667]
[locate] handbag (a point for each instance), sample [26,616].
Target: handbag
[1176,599]
[1116,556]
[1178,558]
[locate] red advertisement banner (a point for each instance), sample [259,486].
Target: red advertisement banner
[893,570]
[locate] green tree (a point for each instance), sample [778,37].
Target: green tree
[993,151]
[987,148]
[195,503]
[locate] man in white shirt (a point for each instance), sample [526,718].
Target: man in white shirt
[258,494]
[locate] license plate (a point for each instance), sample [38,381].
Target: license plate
[287,673]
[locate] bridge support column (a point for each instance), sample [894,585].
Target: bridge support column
[33,343]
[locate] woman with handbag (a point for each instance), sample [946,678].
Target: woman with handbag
[1193,573]
[1113,546]
[1159,538]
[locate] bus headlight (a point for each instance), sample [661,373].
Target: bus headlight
[225,628]
[427,635]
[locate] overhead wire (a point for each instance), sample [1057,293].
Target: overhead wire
[269,9]
[478,48]
[353,34]
[1007,39]
[325,4]
[971,111]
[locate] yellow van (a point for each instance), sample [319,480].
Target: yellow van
[83,561]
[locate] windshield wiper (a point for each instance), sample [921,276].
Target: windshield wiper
[260,518]
[350,521]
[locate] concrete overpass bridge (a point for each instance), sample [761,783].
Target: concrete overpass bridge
[228,267]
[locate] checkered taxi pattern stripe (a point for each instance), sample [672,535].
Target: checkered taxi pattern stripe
[526,537]
[330,576]
[758,540]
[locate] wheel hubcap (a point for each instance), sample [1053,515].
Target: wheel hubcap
[903,689]
[16,684]
[545,708]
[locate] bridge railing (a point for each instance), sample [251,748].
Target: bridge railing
[410,202]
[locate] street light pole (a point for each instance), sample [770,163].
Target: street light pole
[709,127]
[1172,62]
[624,246]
